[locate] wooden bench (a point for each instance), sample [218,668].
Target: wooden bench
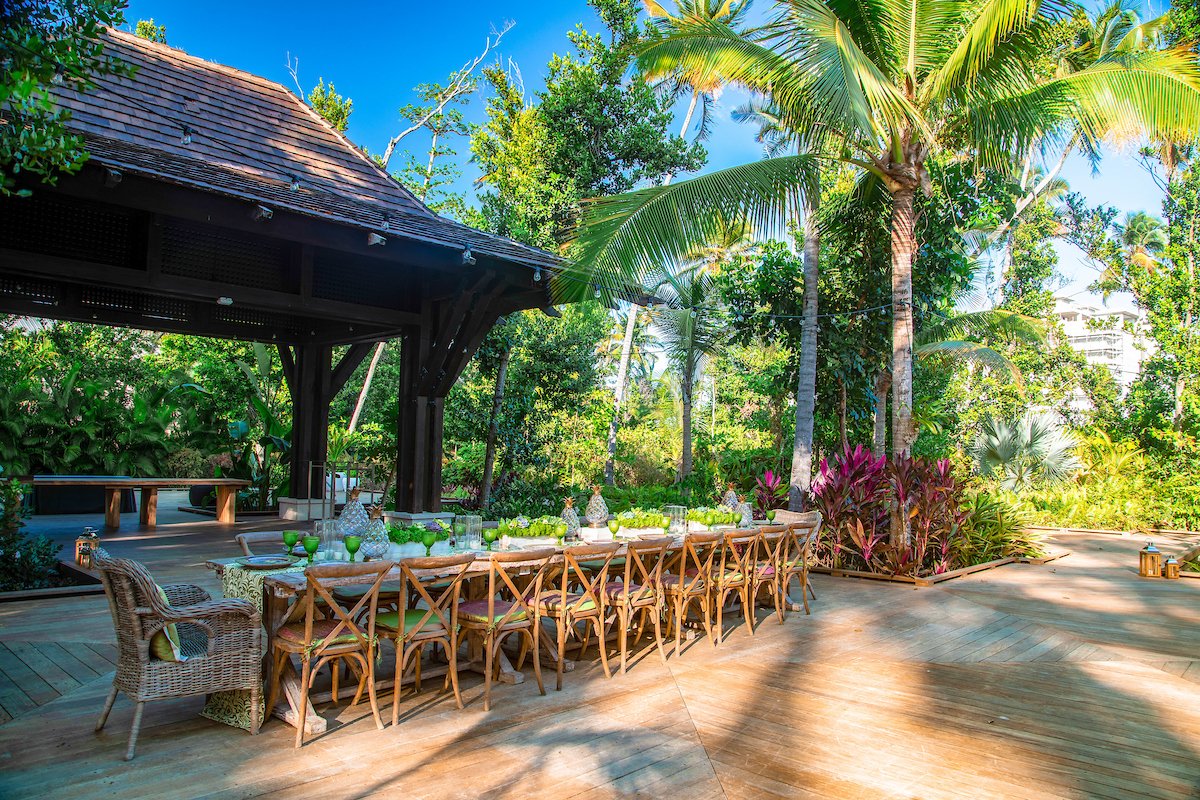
[148,514]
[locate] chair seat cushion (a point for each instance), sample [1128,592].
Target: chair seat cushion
[321,629]
[597,563]
[352,594]
[390,621]
[618,591]
[729,576]
[477,611]
[552,602]
[765,571]
[671,582]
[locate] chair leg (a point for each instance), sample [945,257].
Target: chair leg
[399,674]
[370,678]
[680,604]
[108,704]
[720,614]
[561,622]
[708,626]
[305,677]
[256,713]
[133,732]
[335,671]
[747,593]
[537,659]
[601,645]
[276,678]
[810,588]
[491,645]
[658,637]
[623,634]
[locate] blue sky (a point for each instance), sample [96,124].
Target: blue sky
[375,52]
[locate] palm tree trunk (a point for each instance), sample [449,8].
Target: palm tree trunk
[362,394]
[903,247]
[687,121]
[622,374]
[883,382]
[685,391]
[489,457]
[806,388]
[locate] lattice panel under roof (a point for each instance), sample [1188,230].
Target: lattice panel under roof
[194,250]
[31,290]
[59,226]
[373,282]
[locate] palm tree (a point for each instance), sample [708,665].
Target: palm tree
[885,85]
[1034,448]
[1144,239]
[689,331]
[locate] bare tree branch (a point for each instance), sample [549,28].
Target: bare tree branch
[294,71]
[459,85]
[1033,195]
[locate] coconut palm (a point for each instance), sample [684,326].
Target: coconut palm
[885,85]
[689,330]
[1143,238]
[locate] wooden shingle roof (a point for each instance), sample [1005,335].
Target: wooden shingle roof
[251,138]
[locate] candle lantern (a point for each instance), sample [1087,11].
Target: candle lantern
[84,545]
[1150,561]
[1171,568]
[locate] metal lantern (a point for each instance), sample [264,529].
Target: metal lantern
[84,545]
[1150,561]
[1171,568]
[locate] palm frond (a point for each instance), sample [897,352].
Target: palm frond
[989,325]
[974,353]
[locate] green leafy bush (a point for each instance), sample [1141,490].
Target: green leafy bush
[994,528]
[26,562]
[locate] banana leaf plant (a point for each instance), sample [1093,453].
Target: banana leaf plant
[260,445]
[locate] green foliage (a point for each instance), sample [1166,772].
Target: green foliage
[994,528]
[1032,449]
[429,174]
[46,43]
[25,562]
[146,29]
[332,107]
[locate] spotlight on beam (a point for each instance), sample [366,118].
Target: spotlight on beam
[375,239]
[467,257]
[111,177]
[224,301]
[261,214]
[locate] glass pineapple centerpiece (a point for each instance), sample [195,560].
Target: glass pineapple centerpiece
[571,517]
[597,509]
[730,498]
[353,519]
[746,513]
[374,535]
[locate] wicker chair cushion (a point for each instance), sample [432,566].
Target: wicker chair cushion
[617,591]
[165,645]
[477,611]
[390,621]
[321,628]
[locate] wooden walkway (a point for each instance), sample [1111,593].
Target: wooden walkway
[1072,679]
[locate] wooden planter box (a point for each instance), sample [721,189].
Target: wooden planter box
[930,580]
[84,582]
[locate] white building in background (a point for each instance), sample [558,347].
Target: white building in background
[1105,336]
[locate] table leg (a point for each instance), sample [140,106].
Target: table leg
[274,610]
[148,515]
[112,508]
[226,504]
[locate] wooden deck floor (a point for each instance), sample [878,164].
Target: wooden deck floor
[1073,679]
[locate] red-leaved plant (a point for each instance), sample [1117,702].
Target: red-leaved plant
[770,491]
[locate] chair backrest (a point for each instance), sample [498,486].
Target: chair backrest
[799,540]
[739,552]
[130,590]
[319,578]
[259,543]
[443,575]
[772,542]
[520,575]
[696,557]
[643,565]
[591,579]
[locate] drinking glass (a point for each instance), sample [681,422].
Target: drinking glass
[614,525]
[459,530]
[770,515]
[429,539]
[289,541]
[352,544]
[474,524]
[490,535]
[666,524]
[560,532]
[311,545]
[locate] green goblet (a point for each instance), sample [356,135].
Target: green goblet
[460,534]
[311,545]
[614,525]
[429,539]
[289,541]
[666,523]
[560,532]
[352,544]
[770,515]
[490,535]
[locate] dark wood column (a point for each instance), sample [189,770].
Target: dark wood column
[313,382]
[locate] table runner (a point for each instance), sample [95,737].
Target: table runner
[233,708]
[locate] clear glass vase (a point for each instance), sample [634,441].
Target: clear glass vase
[375,539]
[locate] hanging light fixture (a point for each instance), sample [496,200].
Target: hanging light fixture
[537,275]
[186,138]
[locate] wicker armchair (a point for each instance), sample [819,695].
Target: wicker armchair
[221,640]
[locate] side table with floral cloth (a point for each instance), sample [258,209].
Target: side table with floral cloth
[233,708]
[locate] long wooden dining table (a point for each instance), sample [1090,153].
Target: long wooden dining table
[281,589]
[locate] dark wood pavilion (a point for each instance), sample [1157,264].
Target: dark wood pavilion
[217,203]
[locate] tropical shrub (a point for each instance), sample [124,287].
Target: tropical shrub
[770,491]
[26,562]
[994,528]
[1034,448]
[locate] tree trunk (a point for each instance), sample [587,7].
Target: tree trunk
[622,374]
[362,394]
[903,247]
[429,168]
[1180,383]
[806,388]
[489,457]
[883,382]
[685,392]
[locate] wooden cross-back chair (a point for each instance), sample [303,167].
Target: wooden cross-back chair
[797,556]
[584,568]
[510,606]
[769,567]
[221,641]
[688,580]
[735,575]
[429,590]
[639,592]
[321,631]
